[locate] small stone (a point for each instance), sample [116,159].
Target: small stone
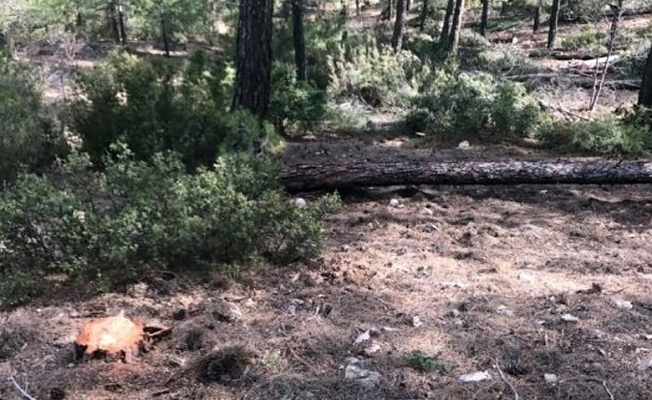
[346,248]
[374,347]
[388,329]
[225,311]
[569,318]
[299,202]
[646,364]
[453,313]
[527,277]
[477,376]
[416,321]
[394,203]
[622,304]
[464,145]
[367,379]
[504,310]
[363,337]
[646,336]
[550,378]
[427,211]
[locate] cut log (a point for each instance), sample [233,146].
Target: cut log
[342,176]
[113,336]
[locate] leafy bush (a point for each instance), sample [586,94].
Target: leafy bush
[29,137]
[107,227]
[608,136]
[159,106]
[589,39]
[294,102]
[422,362]
[474,106]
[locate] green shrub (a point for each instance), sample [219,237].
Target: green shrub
[29,137]
[160,106]
[607,136]
[294,102]
[468,106]
[589,39]
[422,362]
[105,228]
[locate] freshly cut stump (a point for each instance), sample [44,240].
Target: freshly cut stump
[112,336]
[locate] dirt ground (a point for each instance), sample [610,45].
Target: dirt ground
[516,281]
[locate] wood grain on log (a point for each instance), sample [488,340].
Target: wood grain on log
[328,177]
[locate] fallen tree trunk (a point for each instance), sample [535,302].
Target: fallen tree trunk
[341,176]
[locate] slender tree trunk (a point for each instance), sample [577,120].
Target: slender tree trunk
[456,27]
[115,28]
[446,28]
[645,95]
[537,18]
[253,56]
[554,19]
[613,33]
[299,39]
[485,17]
[399,25]
[357,8]
[408,4]
[164,35]
[121,23]
[424,15]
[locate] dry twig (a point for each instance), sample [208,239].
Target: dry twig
[502,376]
[20,389]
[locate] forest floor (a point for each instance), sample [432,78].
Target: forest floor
[543,291]
[515,281]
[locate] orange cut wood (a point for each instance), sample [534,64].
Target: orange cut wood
[111,335]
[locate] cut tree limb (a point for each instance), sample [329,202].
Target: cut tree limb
[342,176]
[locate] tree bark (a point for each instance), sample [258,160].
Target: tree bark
[456,28]
[342,176]
[645,94]
[253,56]
[485,17]
[446,28]
[537,18]
[554,19]
[399,25]
[121,23]
[613,33]
[424,15]
[299,40]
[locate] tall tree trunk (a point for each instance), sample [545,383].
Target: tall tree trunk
[645,95]
[299,39]
[554,19]
[537,18]
[121,23]
[115,25]
[253,56]
[408,4]
[357,8]
[485,17]
[446,28]
[164,35]
[456,27]
[399,25]
[423,15]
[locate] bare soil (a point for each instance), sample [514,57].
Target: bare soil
[491,273]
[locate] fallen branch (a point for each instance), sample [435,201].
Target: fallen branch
[549,107]
[364,174]
[502,376]
[20,389]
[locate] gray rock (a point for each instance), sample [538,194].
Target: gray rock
[569,318]
[622,304]
[394,203]
[550,378]
[226,311]
[416,321]
[365,378]
[477,376]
